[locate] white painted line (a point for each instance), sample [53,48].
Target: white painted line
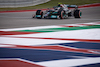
[70,62]
[6,46]
[30,28]
[30,42]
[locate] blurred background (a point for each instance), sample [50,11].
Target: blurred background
[20,3]
[6,5]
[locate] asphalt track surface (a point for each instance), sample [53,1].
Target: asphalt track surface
[24,19]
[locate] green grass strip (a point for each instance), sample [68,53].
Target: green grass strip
[61,29]
[35,31]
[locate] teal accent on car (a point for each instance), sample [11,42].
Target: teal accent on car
[53,16]
[80,13]
[55,12]
[38,15]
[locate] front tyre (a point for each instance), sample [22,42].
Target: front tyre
[62,14]
[39,14]
[77,14]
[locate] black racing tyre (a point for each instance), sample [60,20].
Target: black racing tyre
[39,12]
[77,14]
[61,14]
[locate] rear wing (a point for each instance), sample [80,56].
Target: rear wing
[72,6]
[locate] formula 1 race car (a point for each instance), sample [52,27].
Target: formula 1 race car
[60,11]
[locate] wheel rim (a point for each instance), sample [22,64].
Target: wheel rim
[80,14]
[62,14]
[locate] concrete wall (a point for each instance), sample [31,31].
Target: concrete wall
[20,3]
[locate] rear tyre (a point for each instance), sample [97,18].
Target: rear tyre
[77,14]
[39,14]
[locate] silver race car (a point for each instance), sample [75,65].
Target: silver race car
[60,11]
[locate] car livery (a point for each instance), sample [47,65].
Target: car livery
[59,12]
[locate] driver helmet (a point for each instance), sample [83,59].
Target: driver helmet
[59,4]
